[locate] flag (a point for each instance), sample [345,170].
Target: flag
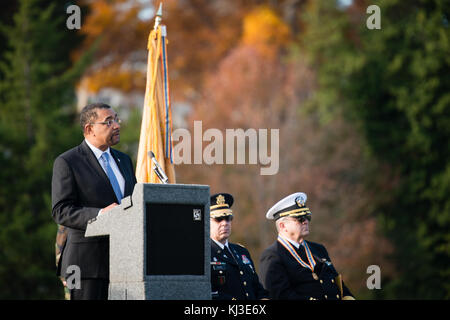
[156,127]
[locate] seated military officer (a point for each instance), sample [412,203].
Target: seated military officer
[293,268]
[233,274]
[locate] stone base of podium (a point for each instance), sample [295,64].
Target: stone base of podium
[143,232]
[161,289]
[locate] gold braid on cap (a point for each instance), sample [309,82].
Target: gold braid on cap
[295,212]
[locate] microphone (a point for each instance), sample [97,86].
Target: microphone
[157,168]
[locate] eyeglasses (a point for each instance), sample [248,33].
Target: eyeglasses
[109,122]
[226,218]
[302,219]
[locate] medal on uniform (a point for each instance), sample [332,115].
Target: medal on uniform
[291,250]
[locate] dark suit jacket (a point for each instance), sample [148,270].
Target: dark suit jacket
[238,278]
[286,279]
[80,188]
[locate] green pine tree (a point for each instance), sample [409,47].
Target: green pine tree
[37,122]
[393,83]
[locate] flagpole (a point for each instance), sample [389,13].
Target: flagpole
[158,18]
[156,127]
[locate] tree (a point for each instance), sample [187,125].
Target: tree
[393,83]
[36,124]
[228,61]
[200,33]
[257,86]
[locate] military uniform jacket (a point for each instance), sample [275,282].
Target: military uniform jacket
[286,279]
[234,277]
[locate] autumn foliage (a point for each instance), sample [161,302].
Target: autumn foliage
[247,64]
[363,120]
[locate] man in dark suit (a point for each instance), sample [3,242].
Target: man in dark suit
[233,274]
[293,268]
[89,180]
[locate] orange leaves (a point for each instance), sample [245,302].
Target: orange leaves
[122,50]
[264,30]
[201,33]
[101,16]
[114,77]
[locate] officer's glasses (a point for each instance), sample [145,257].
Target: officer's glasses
[226,218]
[110,122]
[302,219]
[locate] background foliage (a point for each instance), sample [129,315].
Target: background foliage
[363,118]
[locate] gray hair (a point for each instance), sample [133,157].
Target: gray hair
[277,222]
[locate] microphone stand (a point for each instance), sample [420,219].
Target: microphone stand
[157,168]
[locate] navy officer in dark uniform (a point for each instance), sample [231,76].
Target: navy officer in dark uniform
[233,274]
[293,268]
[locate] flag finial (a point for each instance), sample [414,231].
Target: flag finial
[158,18]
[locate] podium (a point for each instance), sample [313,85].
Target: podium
[159,243]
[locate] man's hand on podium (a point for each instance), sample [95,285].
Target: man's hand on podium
[112,205]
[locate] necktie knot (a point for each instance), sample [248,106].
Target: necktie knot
[105,157]
[228,251]
[301,249]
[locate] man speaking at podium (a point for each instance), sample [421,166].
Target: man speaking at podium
[89,180]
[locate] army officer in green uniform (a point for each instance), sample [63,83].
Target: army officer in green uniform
[293,268]
[233,274]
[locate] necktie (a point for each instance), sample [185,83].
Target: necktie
[228,253]
[111,176]
[301,251]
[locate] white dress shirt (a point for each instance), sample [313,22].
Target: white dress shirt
[294,243]
[98,153]
[220,244]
